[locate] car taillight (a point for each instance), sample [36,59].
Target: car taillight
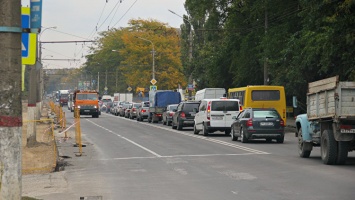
[182,114]
[171,114]
[249,122]
[134,109]
[209,111]
[282,123]
[143,111]
[240,108]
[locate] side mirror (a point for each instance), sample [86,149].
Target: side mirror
[294,101]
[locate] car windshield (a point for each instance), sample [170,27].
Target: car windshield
[188,107]
[136,105]
[265,114]
[86,97]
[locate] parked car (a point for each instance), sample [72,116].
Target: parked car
[108,106]
[168,114]
[216,115]
[184,114]
[256,123]
[113,107]
[127,112]
[122,110]
[134,110]
[143,111]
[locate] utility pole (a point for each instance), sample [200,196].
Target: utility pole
[10,100]
[266,73]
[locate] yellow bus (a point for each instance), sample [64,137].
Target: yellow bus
[261,96]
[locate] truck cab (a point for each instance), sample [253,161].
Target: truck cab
[87,102]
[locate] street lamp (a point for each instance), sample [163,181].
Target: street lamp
[153,70]
[190,49]
[40,43]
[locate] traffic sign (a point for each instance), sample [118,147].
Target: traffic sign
[153,87]
[105,88]
[29,45]
[129,89]
[153,81]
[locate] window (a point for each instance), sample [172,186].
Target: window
[188,107]
[265,95]
[247,115]
[225,106]
[172,107]
[265,114]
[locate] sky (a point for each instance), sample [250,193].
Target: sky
[82,20]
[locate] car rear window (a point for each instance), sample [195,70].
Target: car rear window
[225,106]
[188,107]
[265,114]
[172,107]
[146,104]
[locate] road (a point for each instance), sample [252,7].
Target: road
[126,159]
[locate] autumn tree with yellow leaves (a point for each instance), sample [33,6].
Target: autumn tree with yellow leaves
[128,58]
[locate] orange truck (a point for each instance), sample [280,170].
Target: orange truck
[87,101]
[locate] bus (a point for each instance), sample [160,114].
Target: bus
[261,96]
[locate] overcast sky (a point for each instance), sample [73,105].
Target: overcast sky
[77,20]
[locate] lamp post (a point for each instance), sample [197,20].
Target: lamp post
[40,43]
[190,50]
[153,67]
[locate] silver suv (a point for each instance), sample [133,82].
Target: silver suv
[143,111]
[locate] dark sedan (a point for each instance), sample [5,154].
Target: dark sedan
[256,123]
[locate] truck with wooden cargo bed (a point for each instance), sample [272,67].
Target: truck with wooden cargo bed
[329,121]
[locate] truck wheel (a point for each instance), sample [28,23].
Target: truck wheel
[301,146]
[280,139]
[342,152]
[328,148]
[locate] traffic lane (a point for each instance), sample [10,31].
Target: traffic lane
[255,176]
[159,141]
[287,149]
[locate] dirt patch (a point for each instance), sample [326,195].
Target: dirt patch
[42,157]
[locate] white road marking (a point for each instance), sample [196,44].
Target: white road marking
[250,150]
[138,145]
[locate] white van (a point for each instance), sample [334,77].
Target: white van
[216,115]
[210,93]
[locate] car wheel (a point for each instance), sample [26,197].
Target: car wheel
[227,132]
[180,125]
[301,149]
[243,138]
[280,140]
[233,136]
[172,125]
[204,130]
[195,130]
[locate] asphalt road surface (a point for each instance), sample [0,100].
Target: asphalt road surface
[130,160]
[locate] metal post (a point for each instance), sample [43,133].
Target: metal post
[11,109]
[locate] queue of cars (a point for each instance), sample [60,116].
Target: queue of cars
[210,115]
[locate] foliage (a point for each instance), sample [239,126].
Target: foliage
[131,62]
[300,41]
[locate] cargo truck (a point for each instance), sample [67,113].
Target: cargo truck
[158,101]
[87,102]
[329,122]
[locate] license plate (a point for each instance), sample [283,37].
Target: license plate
[266,124]
[192,114]
[347,130]
[86,110]
[217,118]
